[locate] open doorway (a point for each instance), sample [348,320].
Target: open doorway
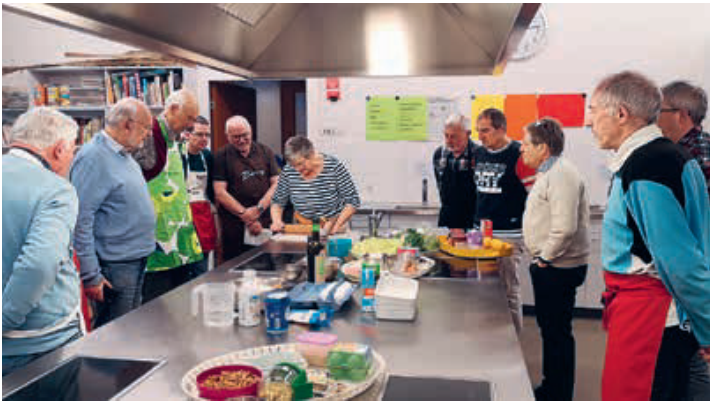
[275,109]
[228,99]
[293,110]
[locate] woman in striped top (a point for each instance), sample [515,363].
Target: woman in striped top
[318,185]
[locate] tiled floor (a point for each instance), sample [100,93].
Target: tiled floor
[590,355]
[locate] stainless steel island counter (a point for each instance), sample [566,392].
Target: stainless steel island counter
[462,330]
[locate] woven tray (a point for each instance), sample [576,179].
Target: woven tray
[447,247]
[267,356]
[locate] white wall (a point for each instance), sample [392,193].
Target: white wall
[26,41]
[585,43]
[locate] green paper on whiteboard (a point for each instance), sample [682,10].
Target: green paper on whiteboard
[391,119]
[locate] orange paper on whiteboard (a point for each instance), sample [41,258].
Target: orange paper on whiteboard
[481,103]
[568,109]
[520,110]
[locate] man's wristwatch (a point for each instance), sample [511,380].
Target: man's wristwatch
[260,208]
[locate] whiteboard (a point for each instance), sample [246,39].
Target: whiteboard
[583,46]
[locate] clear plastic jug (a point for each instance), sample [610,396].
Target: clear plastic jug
[218,302]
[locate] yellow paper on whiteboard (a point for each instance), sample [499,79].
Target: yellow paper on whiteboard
[396,118]
[481,103]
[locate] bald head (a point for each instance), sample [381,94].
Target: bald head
[126,109]
[181,110]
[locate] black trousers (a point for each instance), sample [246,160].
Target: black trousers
[554,295]
[671,374]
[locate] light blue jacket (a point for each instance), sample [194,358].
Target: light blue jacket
[40,284]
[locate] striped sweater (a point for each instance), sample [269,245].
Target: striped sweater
[322,197]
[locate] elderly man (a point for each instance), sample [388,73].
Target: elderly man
[115,228]
[655,247]
[246,176]
[177,242]
[198,167]
[502,182]
[683,110]
[40,285]
[454,170]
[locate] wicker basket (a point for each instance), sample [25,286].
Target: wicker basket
[267,356]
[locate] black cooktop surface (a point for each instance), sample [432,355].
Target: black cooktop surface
[85,379]
[271,262]
[401,388]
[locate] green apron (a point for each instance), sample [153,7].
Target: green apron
[177,240]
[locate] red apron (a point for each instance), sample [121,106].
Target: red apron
[636,308]
[204,225]
[85,308]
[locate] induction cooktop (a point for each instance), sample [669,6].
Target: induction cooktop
[85,378]
[401,388]
[271,262]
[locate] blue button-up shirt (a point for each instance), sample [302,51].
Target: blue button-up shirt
[116,220]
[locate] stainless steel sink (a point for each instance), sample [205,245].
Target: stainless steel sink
[400,388]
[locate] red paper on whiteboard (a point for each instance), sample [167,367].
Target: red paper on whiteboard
[569,109]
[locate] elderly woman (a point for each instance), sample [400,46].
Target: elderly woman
[555,231]
[318,185]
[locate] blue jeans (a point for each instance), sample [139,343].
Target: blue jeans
[126,278]
[198,268]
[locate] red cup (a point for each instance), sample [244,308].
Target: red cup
[223,394]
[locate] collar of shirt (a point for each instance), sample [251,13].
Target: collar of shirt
[548,164]
[26,155]
[639,138]
[690,137]
[502,149]
[113,144]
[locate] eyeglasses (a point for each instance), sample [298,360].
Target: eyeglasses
[242,136]
[146,127]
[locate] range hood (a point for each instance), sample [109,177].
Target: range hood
[310,40]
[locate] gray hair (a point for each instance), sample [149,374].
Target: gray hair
[42,127]
[123,110]
[180,98]
[457,121]
[548,131]
[633,91]
[682,95]
[298,147]
[238,120]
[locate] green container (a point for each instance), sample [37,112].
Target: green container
[294,375]
[350,362]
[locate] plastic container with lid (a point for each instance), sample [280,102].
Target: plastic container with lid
[314,347]
[350,362]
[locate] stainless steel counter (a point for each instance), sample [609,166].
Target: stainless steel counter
[463,330]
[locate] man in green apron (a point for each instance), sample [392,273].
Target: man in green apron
[177,243]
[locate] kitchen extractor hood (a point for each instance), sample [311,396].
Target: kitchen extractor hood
[310,40]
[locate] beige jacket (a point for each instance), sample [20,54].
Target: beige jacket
[557,215]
